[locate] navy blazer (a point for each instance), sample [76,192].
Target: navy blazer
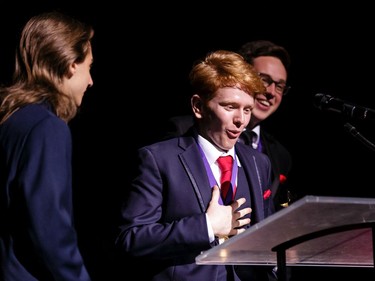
[280,157]
[281,163]
[164,224]
[37,237]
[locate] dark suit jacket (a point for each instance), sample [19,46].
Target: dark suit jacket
[163,224]
[281,160]
[37,237]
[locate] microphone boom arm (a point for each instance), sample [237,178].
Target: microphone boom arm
[353,131]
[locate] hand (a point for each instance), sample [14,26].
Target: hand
[227,220]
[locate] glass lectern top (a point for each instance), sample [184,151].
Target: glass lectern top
[309,215]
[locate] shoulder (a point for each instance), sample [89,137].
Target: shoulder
[253,160]
[35,113]
[36,118]
[169,153]
[275,145]
[245,151]
[178,125]
[177,144]
[188,119]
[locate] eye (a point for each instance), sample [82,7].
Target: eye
[247,111]
[280,87]
[266,81]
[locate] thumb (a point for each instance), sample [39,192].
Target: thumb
[215,193]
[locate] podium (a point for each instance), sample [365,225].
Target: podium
[313,231]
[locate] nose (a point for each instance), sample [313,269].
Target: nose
[271,90]
[239,118]
[91,83]
[269,95]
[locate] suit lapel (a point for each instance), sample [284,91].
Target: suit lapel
[271,150]
[194,166]
[268,143]
[248,162]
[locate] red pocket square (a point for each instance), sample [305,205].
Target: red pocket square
[267,194]
[282,178]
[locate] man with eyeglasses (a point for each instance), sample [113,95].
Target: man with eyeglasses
[272,63]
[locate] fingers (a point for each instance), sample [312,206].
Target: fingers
[243,212]
[215,194]
[238,203]
[238,227]
[241,223]
[238,218]
[227,220]
[238,231]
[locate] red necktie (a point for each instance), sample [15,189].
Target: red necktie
[225,165]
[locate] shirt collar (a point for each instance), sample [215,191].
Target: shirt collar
[211,151]
[256,139]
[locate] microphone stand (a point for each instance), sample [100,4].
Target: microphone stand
[353,131]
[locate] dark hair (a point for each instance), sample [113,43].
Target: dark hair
[257,48]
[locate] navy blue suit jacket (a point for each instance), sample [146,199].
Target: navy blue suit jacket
[37,237]
[281,160]
[164,224]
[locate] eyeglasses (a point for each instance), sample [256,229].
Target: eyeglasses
[281,87]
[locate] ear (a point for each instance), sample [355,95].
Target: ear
[72,70]
[197,106]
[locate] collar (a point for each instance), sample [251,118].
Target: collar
[256,138]
[211,151]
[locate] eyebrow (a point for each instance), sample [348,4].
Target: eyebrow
[280,80]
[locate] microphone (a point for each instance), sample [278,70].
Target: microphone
[329,103]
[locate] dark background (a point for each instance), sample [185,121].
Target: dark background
[142,55]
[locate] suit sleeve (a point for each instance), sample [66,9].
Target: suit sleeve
[46,180]
[144,231]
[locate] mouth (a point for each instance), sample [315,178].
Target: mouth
[263,102]
[233,134]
